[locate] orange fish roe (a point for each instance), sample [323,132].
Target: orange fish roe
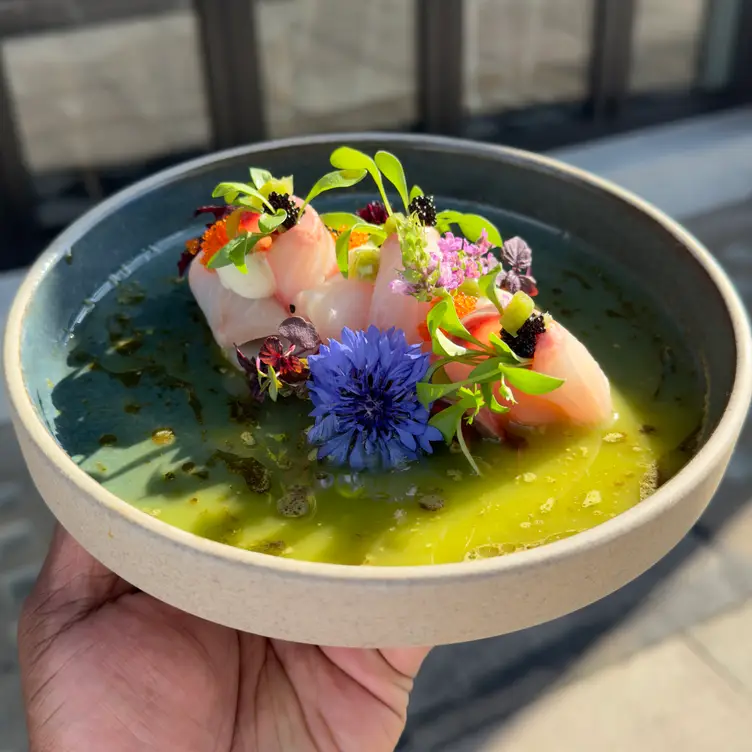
[357,238]
[193,246]
[463,304]
[216,238]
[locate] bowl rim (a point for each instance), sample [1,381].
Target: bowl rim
[691,475]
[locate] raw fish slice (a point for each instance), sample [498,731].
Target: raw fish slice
[335,304]
[232,318]
[302,257]
[393,308]
[584,398]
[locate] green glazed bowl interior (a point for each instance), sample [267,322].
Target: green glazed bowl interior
[561,207]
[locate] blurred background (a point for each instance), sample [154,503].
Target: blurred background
[655,94]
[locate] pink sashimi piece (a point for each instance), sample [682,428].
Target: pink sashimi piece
[390,308]
[232,318]
[335,304]
[302,257]
[584,398]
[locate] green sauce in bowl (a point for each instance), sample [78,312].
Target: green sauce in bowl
[153,411]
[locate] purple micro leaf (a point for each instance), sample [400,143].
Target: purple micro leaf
[184,262]
[375,213]
[301,333]
[248,365]
[510,281]
[219,212]
[517,254]
[528,285]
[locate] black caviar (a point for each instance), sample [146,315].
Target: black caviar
[283,201]
[424,207]
[527,336]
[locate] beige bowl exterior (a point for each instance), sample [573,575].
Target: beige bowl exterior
[371,606]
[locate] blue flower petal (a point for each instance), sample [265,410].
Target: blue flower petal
[407,439]
[365,406]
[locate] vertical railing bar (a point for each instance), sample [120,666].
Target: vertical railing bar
[440,65]
[232,70]
[716,46]
[741,65]
[17,195]
[610,55]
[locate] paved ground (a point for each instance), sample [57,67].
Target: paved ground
[664,662]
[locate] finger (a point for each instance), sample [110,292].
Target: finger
[72,583]
[407,661]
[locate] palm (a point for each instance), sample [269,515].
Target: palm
[104,664]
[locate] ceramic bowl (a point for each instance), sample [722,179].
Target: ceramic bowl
[369,606]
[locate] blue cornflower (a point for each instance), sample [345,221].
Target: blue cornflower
[365,402]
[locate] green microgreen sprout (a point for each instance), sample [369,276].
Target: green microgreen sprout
[495,368]
[342,246]
[260,196]
[347,158]
[471,226]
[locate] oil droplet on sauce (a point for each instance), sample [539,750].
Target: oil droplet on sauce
[163,436]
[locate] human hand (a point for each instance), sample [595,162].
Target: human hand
[105,667]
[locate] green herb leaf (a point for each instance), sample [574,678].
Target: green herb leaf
[332,180]
[531,382]
[393,171]
[220,258]
[445,219]
[347,158]
[231,191]
[463,447]
[259,177]
[416,191]
[342,249]
[447,420]
[471,225]
[376,232]
[436,316]
[503,349]
[342,246]
[268,223]
[490,399]
[492,367]
[429,393]
[442,345]
[471,399]
[335,220]
[236,250]
[274,384]
[278,185]
[487,284]
[450,321]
